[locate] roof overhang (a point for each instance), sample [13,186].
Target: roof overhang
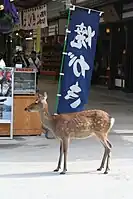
[24,4]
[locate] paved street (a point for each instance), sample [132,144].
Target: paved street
[26,163]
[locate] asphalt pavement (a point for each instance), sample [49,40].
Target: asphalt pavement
[27,163]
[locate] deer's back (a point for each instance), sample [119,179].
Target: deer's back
[82,124]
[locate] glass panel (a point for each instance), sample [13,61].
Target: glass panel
[24,76]
[24,82]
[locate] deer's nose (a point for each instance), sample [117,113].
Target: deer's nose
[26,109]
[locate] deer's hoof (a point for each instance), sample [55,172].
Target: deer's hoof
[105,172]
[56,170]
[63,173]
[99,169]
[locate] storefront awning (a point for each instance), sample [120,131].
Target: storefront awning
[29,4]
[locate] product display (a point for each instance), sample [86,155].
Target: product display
[24,81]
[17,90]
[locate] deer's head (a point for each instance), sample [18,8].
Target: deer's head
[40,104]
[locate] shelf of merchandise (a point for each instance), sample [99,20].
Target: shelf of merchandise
[51,55]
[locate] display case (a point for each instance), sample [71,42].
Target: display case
[24,81]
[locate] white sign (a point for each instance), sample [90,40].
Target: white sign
[34,17]
[53,29]
[18,65]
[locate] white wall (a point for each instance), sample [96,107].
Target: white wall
[126,12]
[54,8]
[62,26]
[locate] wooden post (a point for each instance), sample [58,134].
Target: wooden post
[38,39]
[129,59]
[9,51]
[113,56]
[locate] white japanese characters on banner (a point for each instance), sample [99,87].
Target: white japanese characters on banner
[78,61]
[72,93]
[74,61]
[34,17]
[84,36]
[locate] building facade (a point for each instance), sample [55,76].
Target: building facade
[114,57]
[114,54]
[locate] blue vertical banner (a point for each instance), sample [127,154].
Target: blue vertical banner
[79,60]
[11,9]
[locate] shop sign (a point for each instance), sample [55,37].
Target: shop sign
[34,17]
[6,97]
[53,30]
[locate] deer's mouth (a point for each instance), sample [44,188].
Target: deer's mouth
[26,109]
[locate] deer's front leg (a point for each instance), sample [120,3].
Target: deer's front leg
[60,157]
[65,151]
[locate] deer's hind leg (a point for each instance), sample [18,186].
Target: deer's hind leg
[108,156]
[107,150]
[103,159]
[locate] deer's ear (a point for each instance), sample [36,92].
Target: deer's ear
[45,96]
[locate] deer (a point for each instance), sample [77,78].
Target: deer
[77,125]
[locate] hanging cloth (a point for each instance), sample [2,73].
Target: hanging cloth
[11,9]
[8,17]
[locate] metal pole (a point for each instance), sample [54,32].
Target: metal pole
[12,106]
[62,61]
[85,8]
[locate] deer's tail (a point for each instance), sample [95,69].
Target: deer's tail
[112,121]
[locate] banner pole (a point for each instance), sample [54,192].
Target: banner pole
[85,8]
[62,61]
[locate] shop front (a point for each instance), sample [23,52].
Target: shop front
[110,55]
[114,57]
[23,94]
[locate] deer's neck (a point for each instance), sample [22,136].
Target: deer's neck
[47,121]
